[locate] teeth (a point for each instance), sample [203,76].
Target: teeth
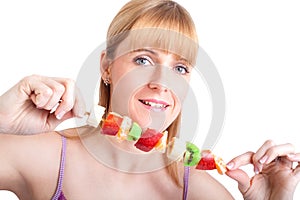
[156,105]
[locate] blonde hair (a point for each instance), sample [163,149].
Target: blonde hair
[157,15]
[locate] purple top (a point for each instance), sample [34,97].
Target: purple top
[59,195]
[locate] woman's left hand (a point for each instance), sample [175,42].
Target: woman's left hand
[277,172]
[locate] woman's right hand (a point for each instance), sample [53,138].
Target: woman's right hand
[30,106]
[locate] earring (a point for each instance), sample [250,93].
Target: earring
[106,82]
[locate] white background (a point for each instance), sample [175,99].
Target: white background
[255,46]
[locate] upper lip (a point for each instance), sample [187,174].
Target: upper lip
[155,102]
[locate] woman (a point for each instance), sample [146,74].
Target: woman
[26,172]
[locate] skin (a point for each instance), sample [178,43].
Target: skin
[276,177]
[21,176]
[33,98]
[153,90]
[24,168]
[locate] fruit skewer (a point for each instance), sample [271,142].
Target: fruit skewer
[123,128]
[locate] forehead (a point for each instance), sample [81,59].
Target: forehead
[164,40]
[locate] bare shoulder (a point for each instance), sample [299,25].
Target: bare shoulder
[32,159]
[203,186]
[27,149]
[21,147]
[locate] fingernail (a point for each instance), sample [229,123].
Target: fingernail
[60,115]
[263,159]
[230,165]
[256,170]
[54,108]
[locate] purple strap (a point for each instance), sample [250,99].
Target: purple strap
[58,194]
[186,181]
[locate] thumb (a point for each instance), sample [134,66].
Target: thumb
[241,177]
[53,121]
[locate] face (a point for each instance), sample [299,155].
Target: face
[149,85]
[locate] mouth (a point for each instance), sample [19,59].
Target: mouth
[154,105]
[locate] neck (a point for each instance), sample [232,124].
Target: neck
[122,156]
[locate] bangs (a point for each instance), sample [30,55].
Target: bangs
[166,40]
[167,27]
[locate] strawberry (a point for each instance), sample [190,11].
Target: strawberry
[111,124]
[148,140]
[207,161]
[110,128]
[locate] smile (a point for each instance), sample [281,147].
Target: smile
[154,104]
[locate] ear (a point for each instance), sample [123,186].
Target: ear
[104,65]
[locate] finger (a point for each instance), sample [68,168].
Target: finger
[31,85]
[57,92]
[240,161]
[78,110]
[294,157]
[41,94]
[277,151]
[258,158]
[35,88]
[55,107]
[67,99]
[45,92]
[53,122]
[242,178]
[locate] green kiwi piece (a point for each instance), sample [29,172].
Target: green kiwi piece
[192,155]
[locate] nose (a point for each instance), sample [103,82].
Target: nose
[159,79]
[157,86]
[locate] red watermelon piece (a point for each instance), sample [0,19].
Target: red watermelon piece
[148,140]
[111,124]
[207,161]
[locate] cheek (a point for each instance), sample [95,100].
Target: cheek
[175,111]
[124,86]
[120,66]
[141,116]
[127,83]
[117,72]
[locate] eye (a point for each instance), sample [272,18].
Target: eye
[143,60]
[181,69]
